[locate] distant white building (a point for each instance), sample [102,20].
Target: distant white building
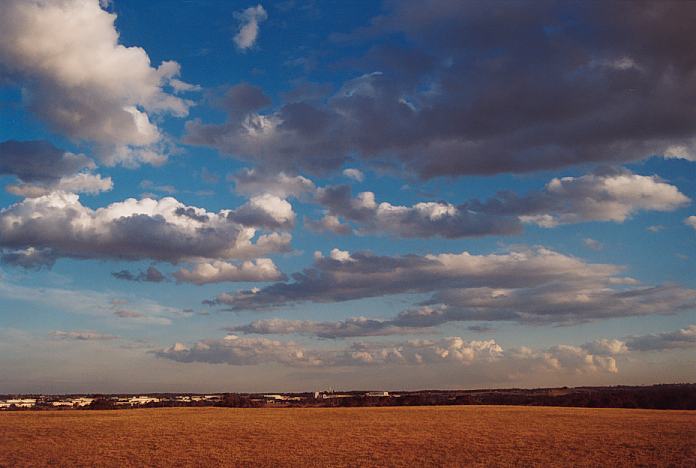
[68,403]
[377,394]
[82,401]
[143,400]
[73,402]
[190,398]
[329,395]
[21,403]
[281,398]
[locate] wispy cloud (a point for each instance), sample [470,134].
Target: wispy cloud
[248,29]
[81,335]
[93,303]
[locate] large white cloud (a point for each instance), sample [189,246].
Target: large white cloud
[611,196]
[597,197]
[164,229]
[80,80]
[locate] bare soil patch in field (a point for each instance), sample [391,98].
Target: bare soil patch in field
[409,436]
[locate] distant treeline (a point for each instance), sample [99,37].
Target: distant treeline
[673,396]
[666,396]
[677,396]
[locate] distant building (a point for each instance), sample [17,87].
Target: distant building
[190,398]
[20,403]
[377,394]
[73,402]
[136,400]
[143,400]
[276,397]
[68,403]
[82,401]
[329,395]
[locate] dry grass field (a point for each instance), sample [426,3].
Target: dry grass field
[413,436]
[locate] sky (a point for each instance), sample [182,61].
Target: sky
[206,196]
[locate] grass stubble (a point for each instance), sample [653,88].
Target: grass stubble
[409,436]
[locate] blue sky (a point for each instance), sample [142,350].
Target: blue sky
[207,196]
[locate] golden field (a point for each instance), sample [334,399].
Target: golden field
[411,436]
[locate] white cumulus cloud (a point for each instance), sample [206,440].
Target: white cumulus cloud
[163,229]
[82,82]
[261,269]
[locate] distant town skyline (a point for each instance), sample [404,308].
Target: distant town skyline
[290,196]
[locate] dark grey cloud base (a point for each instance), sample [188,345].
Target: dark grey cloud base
[151,275]
[536,286]
[608,194]
[454,88]
[39,161]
